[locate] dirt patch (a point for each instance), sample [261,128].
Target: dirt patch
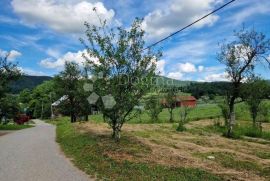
[2,133]
[266,126]
[179,149]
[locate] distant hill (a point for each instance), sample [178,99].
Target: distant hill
[168,82]
[27,82]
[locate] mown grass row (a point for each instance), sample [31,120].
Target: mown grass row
[90,153]
[230,160]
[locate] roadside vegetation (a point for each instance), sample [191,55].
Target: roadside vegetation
[14,127]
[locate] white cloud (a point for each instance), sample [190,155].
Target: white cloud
[13,54]
[184,71]
[176,14]
[160,67]
[215,77]
[8,20]
[60,62]
[200,68]
[187,67]
[67,16]
[53,52]
[212,74]
[194,51]
[175,75]
[29,71]
[251,9]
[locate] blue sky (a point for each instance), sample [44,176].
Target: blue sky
[42,34]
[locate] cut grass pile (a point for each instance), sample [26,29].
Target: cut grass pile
[98,155]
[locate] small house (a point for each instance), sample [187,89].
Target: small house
[181,101]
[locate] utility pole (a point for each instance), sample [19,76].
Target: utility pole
[52,114]
[42,108]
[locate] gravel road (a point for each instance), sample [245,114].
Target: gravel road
[33,155]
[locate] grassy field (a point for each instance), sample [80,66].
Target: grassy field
[158,152]
[14,127]
[104,159]
[201,111]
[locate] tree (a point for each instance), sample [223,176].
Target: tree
[184,111]
[41,98]
[171,101]
[240,57]
[84,107]
[67,84]
[8,72]
[25,96]
[124,68]
[254,92]
[225,112]
[264,112]
[153,107]
[9,107]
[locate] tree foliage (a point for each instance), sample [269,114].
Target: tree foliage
[240,58]
[183,113]
[153,107]
[126,69]
[171,101]
[8,73]
[254,92]
[67,83]
[9,107]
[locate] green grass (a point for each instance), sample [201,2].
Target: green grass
[14,127]
[230,160]
[204,111]
[263,155]
[201,111]
[90,152]
[245,129]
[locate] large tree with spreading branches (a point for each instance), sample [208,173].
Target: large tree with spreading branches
[240,58]
[124,70]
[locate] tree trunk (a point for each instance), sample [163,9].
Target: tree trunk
[86,118]
[116,133]
[171,115]
[254,116]
[73,117]
[231,118]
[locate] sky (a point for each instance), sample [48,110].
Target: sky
[42,34]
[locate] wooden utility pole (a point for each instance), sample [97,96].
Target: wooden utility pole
[42,108]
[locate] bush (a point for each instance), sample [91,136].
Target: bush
[181,127]
[21,119]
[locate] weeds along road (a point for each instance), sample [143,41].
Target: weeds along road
[33,155]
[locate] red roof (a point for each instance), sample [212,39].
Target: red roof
[179,99]
[185,98]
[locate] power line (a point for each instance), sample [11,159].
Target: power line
[221,7]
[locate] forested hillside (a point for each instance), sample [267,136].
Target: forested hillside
[27,82]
